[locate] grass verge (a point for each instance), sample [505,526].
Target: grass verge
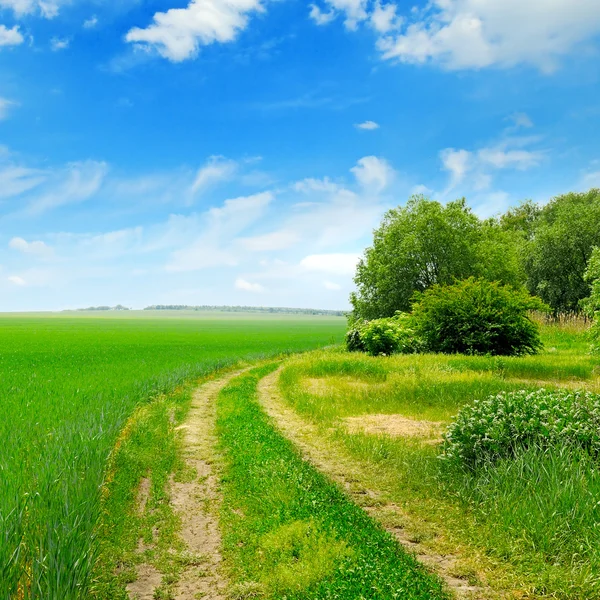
[288,532]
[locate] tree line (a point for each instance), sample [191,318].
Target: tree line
[543,248]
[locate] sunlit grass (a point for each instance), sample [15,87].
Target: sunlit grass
[535,519]
[69,384]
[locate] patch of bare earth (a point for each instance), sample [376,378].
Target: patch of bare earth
[197,502]
[331,460]
[395,426]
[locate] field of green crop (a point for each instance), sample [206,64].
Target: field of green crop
[69,384]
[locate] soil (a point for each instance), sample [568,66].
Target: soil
[395,426]
[341,469]
[197,503]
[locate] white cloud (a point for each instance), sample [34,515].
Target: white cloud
[510,153]
[320,17]
[373,173]
[276,240]
[457,162]
[10,37]
[367,125]
[57,44]
[91,22]
[500,158]
[76,183]
[337,264]
[36,248]
[221,225]
[521,120]
[5,106]
[178,33]
[384,19]
[216,169]
[354,12]
[15,180]
[16,280]
[471,34]
[331,286]
[247,286]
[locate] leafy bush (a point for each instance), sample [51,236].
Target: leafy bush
[592,304]
[508,422]
[384,336]
[475,316]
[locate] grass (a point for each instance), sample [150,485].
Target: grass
[531,524]
[288,533]
[70,384]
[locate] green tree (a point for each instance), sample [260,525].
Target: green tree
[560,248]
[425,243]
[592,305]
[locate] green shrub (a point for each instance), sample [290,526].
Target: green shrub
[592,304]
[384,336]
[508,422]
[475,316]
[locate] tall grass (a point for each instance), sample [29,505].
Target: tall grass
[534,521]
[68,386]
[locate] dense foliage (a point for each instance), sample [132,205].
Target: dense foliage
[508,422]
[556,257]
[394,335]
[425,243]
[475,316]
[592,305]
[544,248]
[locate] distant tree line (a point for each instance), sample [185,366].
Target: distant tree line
[117,307]
[544,249]
[251,309]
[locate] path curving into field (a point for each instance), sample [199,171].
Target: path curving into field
[197,503]
[341,469]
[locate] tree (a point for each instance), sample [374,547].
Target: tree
[560,248]
[592,305]
[425,243]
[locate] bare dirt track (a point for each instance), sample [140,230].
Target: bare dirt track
[197,503]
[344,471]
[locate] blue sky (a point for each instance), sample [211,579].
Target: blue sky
[242,151]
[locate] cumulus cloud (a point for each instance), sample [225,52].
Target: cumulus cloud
[367,125]
[457,163]
[384,18]
[354,12]
[332,286]
[509,153]
[91,22]
[178,33]
[36,248]
[46,8]
[57,44]
[247,286]
[521,120]
[373,173]
[472,34]
[10,37]
[320,17]
[337,263]
[16,280]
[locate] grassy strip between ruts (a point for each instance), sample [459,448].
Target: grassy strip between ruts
[288,532]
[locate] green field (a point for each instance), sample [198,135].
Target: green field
[527,526]
[69,384]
